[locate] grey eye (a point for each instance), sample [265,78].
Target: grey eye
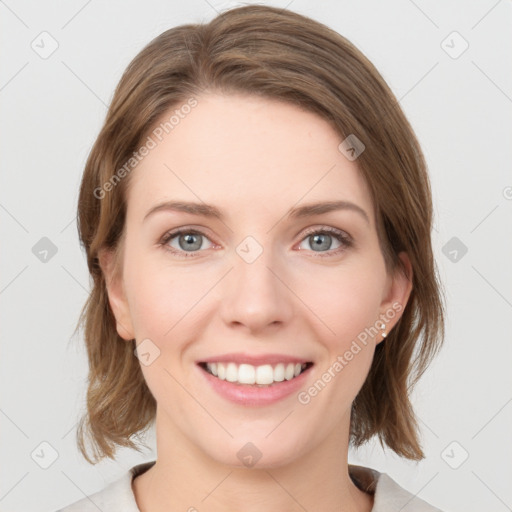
[190,241]
[320,241]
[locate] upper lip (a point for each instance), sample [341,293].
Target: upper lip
[255,360]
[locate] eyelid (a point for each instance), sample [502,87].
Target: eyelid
[342,236]
[173,233]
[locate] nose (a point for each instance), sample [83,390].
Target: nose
[255,295]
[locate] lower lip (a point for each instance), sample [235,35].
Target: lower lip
[244,394]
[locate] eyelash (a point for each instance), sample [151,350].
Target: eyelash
[342,237]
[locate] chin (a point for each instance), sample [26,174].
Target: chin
[255,452]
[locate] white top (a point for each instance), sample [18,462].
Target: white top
[388,495]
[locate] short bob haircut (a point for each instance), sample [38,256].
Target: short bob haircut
[275,54]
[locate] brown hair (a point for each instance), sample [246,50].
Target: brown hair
[281,55]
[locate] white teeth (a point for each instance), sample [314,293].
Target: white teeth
[279,373]
[288,373]
[231,372]
[246,374]
[264,374]
[249,374]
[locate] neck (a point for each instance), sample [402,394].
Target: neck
[184,478]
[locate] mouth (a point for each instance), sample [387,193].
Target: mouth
[265,375]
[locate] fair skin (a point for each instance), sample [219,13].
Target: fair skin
[254,159]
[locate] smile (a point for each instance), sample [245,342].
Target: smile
[263,375]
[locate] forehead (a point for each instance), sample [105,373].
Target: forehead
[245,153]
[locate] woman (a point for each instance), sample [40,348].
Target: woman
[256,213]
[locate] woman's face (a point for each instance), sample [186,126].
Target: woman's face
[262,289]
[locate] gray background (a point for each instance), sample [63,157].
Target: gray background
[52,108]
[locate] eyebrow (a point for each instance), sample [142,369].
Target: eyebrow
[206,210]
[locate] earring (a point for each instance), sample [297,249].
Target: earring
[383,326]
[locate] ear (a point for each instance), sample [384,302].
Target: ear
[116,294]
[397,294]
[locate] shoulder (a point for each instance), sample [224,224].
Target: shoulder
[388,495]
[116,497]
[391,496]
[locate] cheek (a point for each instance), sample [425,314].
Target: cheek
[163,304]
[160,299]
[346,301]
[347,331]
